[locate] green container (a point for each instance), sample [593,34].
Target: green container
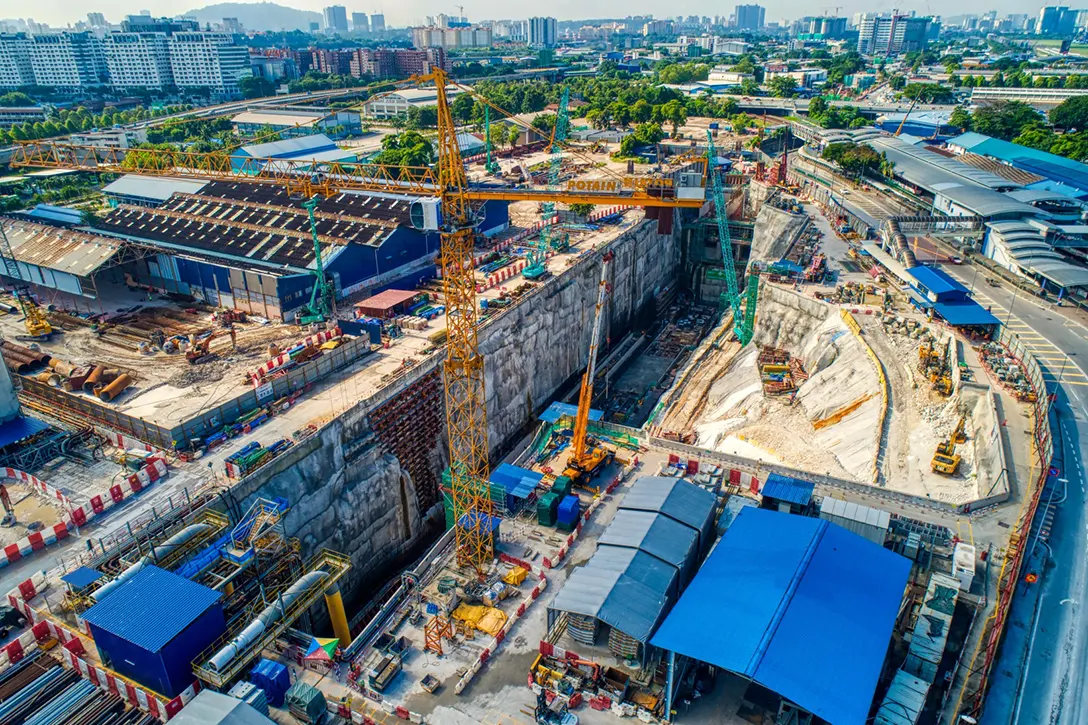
[547,508]
[562,487]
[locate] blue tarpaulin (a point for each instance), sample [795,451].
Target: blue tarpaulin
[516,481]
[791,490]
[965,313]
[82,577]
[19,428]
[555,411]
[801,606]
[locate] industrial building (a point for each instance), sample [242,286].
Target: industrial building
[643,561]
[308,149]
[804,580]
[290,121]
[218,245]
[937,294]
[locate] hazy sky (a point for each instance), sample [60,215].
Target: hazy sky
[405,12]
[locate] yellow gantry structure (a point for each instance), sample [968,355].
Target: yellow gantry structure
[466,400]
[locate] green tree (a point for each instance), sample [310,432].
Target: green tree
[256,87]
[582,210]
[1072,113]
[783,86]
[1004,120]
[408,148]
[648,133]
[1036,137]
[513,135]
[461,107]
[675,113]
[960,118]
[641,111]
[16,99]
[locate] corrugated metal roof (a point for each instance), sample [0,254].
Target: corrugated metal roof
[679,500]
[516,481]
[625,588]
[940,166]
[656,534]
[791,490]
[59,249]
[1040,163]
[152,608]
[904,702]
[855,512]
[968,312]
[803,607]
[277,119]
[82,577]
[152,187]
[213,708]
[936,280]
[289,147]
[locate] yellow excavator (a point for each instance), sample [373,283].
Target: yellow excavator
[946,460]
[587,459]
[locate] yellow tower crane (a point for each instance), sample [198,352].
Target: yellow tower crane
[466,414]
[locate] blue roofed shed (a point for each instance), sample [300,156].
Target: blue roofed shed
[517,484]
[787,494]
[152,627]
[81,577]
[800,606]
[937,292]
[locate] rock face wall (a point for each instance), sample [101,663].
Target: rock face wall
[350,493]
[776,230]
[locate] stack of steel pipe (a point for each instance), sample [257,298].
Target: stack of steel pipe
[21,359]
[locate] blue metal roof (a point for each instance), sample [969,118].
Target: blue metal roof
[516,481]
[1042,163]
[936,280]
[792,490]
[679,500]
[557,410]
[152,608]
[82,577]
[965,313]
[799,605]
[19,428]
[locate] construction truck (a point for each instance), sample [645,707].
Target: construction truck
[200,350]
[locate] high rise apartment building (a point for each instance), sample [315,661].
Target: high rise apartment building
[67,61]
[750,17]
[543,32]
[360,23]
[396,62]
[888,35]
[15,70]
[377,23]
[138,60]
[475,36]
[336,19]
[208,60]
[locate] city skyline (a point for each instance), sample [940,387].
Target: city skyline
[64,12]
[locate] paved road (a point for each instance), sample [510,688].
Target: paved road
[1040,676]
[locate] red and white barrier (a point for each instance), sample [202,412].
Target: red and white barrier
[282,359]
[155,469]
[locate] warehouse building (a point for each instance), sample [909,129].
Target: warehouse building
[292,121]
[795,605]
[313,149]
[153,191]
[643,560]
[249,247]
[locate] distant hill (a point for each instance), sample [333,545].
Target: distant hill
[257,16]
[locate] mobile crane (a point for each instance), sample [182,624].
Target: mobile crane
[465,394]
[586,457]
